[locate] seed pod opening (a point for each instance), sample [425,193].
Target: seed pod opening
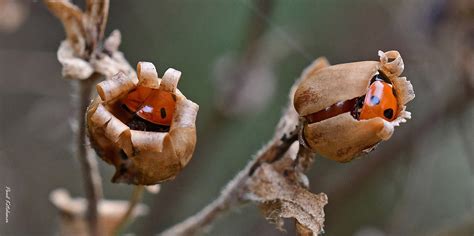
[347,109]
[145,127]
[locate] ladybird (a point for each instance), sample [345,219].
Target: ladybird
[134,100]
[152,105]
[380,101]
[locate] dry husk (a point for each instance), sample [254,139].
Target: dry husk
[342,138]
[73,213]
[281,197]
[141,157]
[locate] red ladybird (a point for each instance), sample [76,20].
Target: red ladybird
[380,101]
[153,105]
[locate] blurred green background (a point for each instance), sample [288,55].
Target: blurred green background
[239,59]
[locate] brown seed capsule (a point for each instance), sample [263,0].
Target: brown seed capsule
[145,127]
[73,213]
[329,100]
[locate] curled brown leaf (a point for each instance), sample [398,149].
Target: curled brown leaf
[281,198]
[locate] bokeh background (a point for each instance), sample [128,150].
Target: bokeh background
[239,59]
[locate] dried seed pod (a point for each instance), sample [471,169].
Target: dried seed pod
[330,100]
[145,127]
[73,213]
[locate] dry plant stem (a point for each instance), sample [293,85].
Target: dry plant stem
[255,31]
[257,27]
[87,160]
[231,196]
[133,202]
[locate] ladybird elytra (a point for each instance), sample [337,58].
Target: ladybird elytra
[380,101]
[134,100]
[155,105]
[158,108]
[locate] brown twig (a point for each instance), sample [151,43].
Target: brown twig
[89,168]
[232,195]
[133,202]
[240,71]
[84,62]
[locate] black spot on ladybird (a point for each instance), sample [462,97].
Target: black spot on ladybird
[163,113]
[174,97]
[374,100]
[388,113]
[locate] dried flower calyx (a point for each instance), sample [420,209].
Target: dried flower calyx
[145,127]
[347,109]
[73,213]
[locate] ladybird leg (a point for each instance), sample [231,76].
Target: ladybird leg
[316,65]
[147,75]
[170,80]
[111,89]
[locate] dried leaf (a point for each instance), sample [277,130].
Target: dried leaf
[282,198]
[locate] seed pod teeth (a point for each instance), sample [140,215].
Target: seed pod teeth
[114,129]
[110,90]
[404,90]
[147,141]
[185,115]
[99,115]
[391,63]
[170,80]
[147,75]
[183,129]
